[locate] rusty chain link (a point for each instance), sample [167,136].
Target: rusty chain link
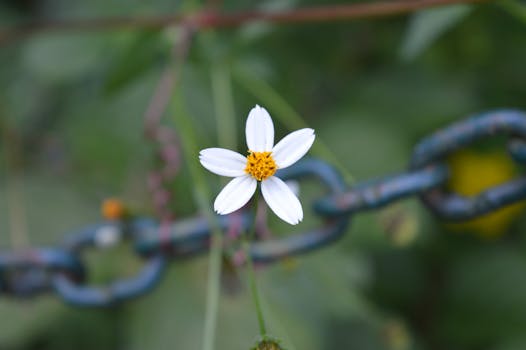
[61,269]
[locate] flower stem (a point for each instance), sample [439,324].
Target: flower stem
[252,275]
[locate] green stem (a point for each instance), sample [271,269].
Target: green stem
[226,134]
[213,290]
[203,199]
[224,103]
[252,275]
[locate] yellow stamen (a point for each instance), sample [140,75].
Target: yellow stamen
[260,165]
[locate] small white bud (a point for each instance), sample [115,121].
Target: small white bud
[107,236]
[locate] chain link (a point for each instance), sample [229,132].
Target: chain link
[61,269]
[432,150]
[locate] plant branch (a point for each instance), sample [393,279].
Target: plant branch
[165,139]
[210,19]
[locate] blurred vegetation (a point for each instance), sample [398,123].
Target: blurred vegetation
[71,109]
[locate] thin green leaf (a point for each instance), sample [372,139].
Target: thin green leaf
[426,26]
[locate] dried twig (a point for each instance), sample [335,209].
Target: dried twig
[210,19]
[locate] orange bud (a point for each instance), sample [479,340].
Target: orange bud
[113,209]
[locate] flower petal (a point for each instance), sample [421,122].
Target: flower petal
[259,130]
[292,147]
[223,162]
[294,186]
[235,194]
[281,200]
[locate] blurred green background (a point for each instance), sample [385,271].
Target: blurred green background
[72,106]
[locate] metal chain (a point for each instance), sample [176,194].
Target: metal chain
[61,270]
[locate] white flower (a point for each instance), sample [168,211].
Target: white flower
[263,160]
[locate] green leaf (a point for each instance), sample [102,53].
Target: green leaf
[428,25]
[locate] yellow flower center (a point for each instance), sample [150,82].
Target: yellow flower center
[260,165]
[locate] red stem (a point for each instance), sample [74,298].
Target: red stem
[206,19]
